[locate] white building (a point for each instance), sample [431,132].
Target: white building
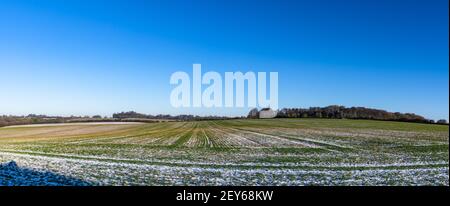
[267,113]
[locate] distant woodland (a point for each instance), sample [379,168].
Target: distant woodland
[341,112]
[183,117]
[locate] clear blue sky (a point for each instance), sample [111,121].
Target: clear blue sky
[99,57]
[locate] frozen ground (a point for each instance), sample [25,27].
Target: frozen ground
[232,152]
[11,174]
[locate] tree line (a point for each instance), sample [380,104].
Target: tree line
[182,117]
[341,112]
[8,120]
[30,119]
[131,116]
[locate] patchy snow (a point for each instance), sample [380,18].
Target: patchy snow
[101,172]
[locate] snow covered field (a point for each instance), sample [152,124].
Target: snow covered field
[228,152]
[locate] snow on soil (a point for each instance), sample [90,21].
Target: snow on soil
[121,173]
[13,175]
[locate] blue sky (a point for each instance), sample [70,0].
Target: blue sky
[100,57]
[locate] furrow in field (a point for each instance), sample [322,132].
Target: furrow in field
[208,142]
[149,135]
[152,136]
[269,140]
[185,137]
[230,139]
[213,138]
[62,133]
[263,141]
[195,140]
[306,141]
[199,138]
[359,137]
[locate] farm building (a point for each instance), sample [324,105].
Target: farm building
[267,113]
